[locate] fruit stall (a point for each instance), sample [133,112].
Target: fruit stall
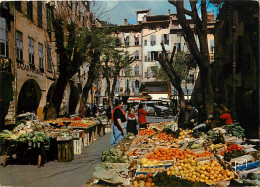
[164,156]
[37,142]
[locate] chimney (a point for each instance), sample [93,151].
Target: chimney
[125,21]
[169,11]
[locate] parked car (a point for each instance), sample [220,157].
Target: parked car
[155,109]
[162,111]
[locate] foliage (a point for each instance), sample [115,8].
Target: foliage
[5,64]
[235,130]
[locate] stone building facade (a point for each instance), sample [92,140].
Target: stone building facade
[30,45]
[143,41]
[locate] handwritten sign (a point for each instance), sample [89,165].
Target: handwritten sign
[240,163]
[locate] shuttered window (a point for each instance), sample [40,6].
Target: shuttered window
[19,45]
[31,50]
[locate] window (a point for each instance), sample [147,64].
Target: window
[118,42]
[31,50]
[137,55]
[19,45]
[153,40]
[145,58]
[127,71]
[136,40]
[178,47]
[18,6]
[149,72]
[127,41]
[145,42]
[49,58]
[136,70]
[30,10]
[3,37]
[152,56]
[149,57]
[136,84]
[48,17]
[165,39]
[211,46]
[39,13]
[127,87]
[118,86]
[40,46]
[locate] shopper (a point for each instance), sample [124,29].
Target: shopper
[94,110]
[88,110]
[142,116]
[118,123]
[224,115]
[108,111]
[131,121]
[188,117]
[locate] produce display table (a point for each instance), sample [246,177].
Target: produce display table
[165,156]
[24,150]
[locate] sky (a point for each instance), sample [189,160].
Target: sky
[117,10]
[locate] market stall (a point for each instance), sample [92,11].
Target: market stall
[58,139]
[164,156]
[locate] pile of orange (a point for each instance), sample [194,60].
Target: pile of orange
[147,132]
[164,137]
[203,154]
[169,154]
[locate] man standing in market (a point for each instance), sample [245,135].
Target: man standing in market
[188,117]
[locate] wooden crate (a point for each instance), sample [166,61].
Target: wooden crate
[86,138]
[65,150]
[77,141]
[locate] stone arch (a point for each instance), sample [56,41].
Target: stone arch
[73,99]
[29,97]
[50,90]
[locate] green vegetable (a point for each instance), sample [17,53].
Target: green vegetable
[7,132]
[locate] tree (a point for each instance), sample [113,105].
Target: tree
[71,40]
[180,64]
[114,62]
[201,53]
[177,68]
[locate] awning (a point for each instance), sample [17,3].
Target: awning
[137,99]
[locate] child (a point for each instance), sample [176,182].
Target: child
[131,121]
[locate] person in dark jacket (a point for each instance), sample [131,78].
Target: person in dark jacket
[188,117]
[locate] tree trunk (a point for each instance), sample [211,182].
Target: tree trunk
[113,87]
[92,74]
[201,56]
[167,66]
[53,108]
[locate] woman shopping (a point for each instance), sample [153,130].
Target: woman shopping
[141,116]
[132,121]
[118,123]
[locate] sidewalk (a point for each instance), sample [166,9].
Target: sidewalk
[57,174]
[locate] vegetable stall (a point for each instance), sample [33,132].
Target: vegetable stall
[164,156]
[37,142]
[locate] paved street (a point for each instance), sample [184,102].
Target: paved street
[65,174]
[56,174]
